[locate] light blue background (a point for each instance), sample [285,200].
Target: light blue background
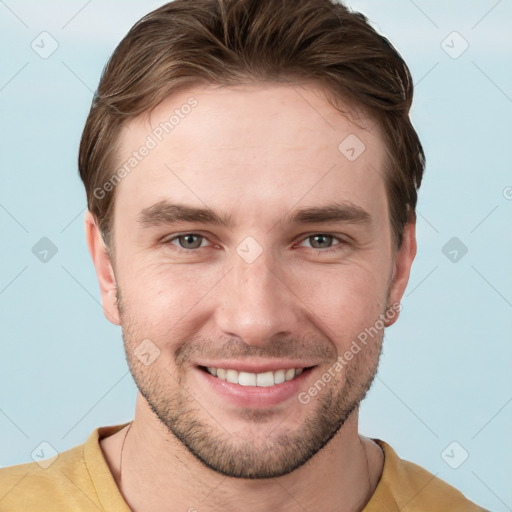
[445,372]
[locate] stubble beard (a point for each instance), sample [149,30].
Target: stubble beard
[272,455]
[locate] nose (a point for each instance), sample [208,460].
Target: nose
[256,302]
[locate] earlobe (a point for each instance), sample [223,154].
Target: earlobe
[401,271]
[104,270]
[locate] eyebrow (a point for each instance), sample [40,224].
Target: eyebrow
[165,212]
[337,212]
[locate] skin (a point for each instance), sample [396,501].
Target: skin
[239,155]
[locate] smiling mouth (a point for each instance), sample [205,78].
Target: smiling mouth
[263,380]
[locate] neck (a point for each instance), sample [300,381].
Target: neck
[153,469]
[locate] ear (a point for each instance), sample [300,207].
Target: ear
[104,271]
[402,267]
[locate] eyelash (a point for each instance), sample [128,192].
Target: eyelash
[181,250]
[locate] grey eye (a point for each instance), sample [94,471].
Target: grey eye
[320,241]
[189,241]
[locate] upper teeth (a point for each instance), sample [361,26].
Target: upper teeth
[265,379]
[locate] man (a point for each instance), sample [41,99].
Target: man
[251,175]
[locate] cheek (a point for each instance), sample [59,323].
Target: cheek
[345,300]
[162,297]
[170,301]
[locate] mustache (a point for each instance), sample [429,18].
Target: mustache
[318,349]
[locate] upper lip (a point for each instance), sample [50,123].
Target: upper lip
[256,367]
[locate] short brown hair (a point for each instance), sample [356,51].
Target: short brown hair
[187,43]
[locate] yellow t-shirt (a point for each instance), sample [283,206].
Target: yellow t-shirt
[80,480]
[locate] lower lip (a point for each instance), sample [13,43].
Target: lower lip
[254,396]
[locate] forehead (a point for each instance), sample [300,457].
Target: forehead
[252,148]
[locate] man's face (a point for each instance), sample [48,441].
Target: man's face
[265,291]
